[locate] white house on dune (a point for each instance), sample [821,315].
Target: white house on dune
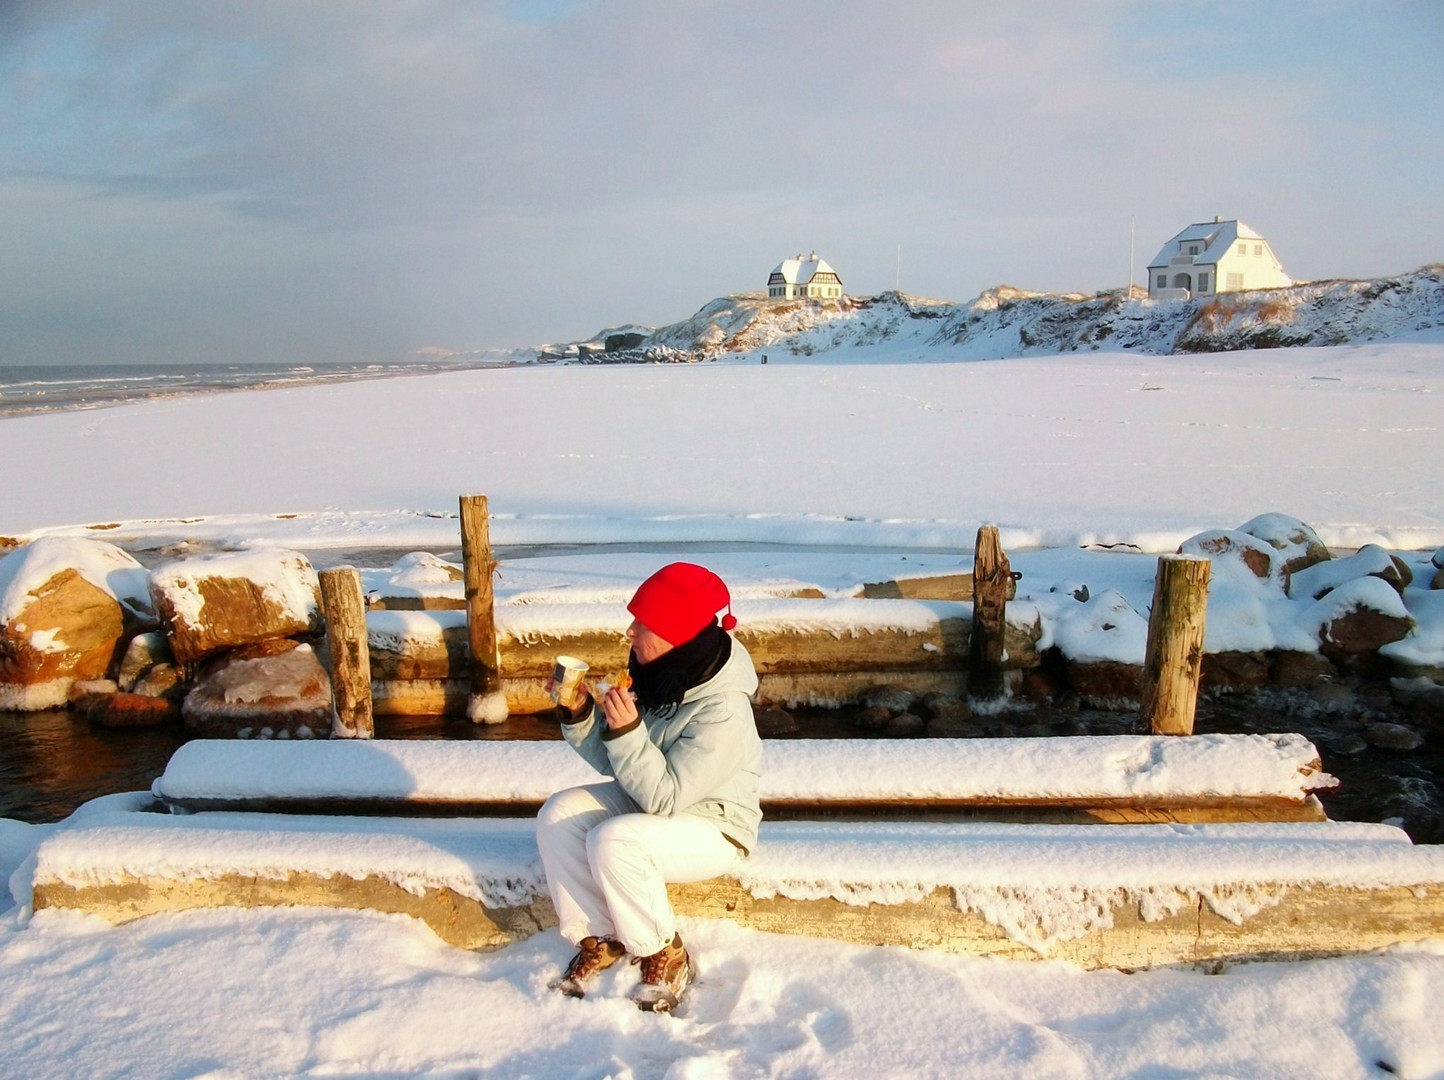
[1214,257]
[804,277]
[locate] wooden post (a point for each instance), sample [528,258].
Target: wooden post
[1174,658]
[992,577]
[487,703]
[350,657]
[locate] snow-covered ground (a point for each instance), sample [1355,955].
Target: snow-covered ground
[879,449]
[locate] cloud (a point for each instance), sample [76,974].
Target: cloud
[502,173]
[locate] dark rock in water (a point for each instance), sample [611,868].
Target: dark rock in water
[1349,745]
[1388,736]
[1230,672]
[144,652]
[1106,684]
[1290,668]
[1041,686]
[1422,699]
[123,710]
[952,720]
[774,721]
[161,681]
[906,724]
[1333,696]
[1438,582]
[892,698]
[928,705]
[873,719]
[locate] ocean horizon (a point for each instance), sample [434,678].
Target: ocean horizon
[26,389]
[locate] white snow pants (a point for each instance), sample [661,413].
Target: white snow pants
[608,865]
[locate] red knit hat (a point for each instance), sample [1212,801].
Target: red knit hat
[680,600]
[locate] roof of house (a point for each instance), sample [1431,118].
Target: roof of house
[802,268]
[1217,237]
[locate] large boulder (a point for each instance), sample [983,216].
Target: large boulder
[66,606]
[1297,542]
[1235,554]
[1369,561]
[275,690]
[220,602]
[1356,619]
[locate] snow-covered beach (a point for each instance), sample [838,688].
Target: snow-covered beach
[829,469]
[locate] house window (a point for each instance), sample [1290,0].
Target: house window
[1203,283]
[1193,249]
[1243,249]
[1163,281]
[1235,282]
[1258,249]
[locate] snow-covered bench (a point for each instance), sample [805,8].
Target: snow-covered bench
[1115,779]
[1130,897]
[1120,897]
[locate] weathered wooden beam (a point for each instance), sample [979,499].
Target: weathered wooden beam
[1173,660]
[345,611]
[1299,921]
[992,575]
[1053,811]
[931,587]
[487,703]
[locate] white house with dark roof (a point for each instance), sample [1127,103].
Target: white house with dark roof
[804,277]
[1214,257]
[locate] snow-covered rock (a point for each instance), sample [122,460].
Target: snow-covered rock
[220,602]
[65,607]
[1233,552]
[1296,541]
[1369,561]
[1358,617]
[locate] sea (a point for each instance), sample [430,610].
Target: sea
[53,388]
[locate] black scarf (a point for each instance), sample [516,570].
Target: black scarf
[663,682]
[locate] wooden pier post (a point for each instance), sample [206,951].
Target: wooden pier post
[487,702]
[992,578]
[1173,661]
[345,612]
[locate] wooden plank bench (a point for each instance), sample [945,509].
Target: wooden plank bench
[1098,896]
[1139,896]
[1111,779]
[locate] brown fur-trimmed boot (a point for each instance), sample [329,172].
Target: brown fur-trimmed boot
[594,956]
[665,975]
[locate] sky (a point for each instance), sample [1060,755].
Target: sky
[306,181]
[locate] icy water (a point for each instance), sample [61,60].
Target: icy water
[33,389]
[52,762]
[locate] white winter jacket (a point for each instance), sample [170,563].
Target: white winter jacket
[703,758]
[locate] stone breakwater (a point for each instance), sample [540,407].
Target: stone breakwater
[228,643]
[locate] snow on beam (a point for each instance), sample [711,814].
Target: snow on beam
[1101,770]
[1099,897]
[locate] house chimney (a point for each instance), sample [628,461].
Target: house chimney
[1217,220]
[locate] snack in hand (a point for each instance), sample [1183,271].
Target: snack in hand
[622,680]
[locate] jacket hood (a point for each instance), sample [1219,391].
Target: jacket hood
[737,674]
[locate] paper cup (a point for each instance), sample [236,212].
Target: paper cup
[566,677]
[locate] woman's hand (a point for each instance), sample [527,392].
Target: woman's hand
[619,708]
